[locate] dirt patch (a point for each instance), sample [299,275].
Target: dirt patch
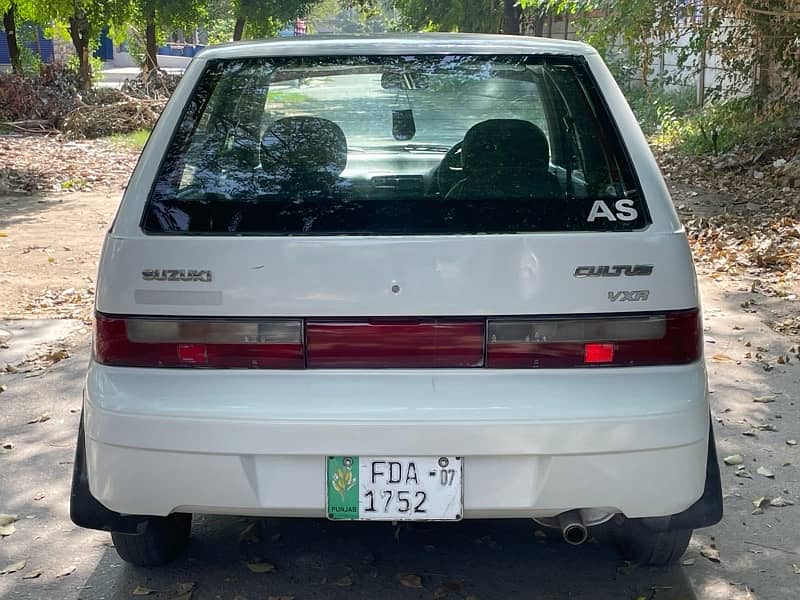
[49,252]
[40,164]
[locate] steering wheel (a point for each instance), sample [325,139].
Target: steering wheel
[450,171]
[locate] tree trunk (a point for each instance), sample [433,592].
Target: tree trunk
[764,85]
[79,32]
[10,26]
[151,51]
[238,28]
[538,24]
[511,17]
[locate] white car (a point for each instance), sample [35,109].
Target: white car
[407,277]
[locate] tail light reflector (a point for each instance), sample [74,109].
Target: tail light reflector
[395,343]
[598,353]
[142,342]
[667,339]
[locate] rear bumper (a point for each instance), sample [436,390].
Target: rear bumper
[631,441]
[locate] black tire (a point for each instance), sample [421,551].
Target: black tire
[160,540]
[638,544]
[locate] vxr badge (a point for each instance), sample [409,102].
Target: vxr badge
[629,296]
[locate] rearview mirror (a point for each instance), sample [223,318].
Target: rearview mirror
[403,80]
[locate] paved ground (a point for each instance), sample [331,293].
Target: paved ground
[486,559]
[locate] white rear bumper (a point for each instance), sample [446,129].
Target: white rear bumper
[535,443]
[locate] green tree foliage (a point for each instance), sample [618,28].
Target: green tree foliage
[262,18]
[480,16]
[157,16]
[345,17]
[84,21]
[748,35]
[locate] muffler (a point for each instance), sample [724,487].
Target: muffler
[572,527]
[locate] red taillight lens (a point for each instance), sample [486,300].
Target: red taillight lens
[668,339]
[398,343]
[142,342]
[598,353]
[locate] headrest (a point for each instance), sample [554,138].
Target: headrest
[297,146]
[505,144]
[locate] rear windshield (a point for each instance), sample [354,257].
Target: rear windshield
[394,145]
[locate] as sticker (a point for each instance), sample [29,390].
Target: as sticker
[623,211]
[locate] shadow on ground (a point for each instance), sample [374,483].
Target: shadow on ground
[18,207]
[317,559]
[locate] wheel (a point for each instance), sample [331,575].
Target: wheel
[638,544]
[159,541]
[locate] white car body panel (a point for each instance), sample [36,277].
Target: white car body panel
[437,275]
[535,442]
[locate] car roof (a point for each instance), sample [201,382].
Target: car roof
[393,44]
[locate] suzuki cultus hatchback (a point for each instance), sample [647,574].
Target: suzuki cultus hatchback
[399,278]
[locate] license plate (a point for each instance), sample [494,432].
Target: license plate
[392,488]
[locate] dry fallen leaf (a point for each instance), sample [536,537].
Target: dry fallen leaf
[796,569]
[140,590]
[722,358]
[7,524]
[411,581]
[66,571]
[765,472]
[258,566]
[711,554]
[780,501]
[759,504]
[791,442]
[345,581]
[13,568]
[733,459]
[40,419]
[184,590]
[741,471]
[764,399]
[33,574]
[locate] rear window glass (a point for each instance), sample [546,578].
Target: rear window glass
[394,145]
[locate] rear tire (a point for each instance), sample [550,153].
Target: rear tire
[159,540]
[638,544]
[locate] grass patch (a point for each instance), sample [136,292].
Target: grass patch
[130,141]
[670,117]
[721,127]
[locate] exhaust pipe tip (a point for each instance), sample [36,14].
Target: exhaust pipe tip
[575,534]
[572,528]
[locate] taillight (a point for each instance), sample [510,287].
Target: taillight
[498,343]
[143,342]
[614,341]
[395,343]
